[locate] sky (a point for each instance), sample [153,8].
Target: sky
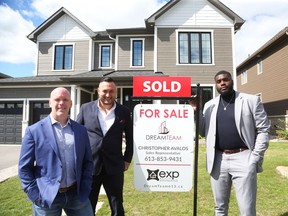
[263,20]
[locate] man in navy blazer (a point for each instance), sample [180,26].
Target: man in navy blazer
[106,122]
[55,165]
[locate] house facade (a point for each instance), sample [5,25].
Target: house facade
[192,38]
[265,73]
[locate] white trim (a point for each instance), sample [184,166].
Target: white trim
[91,54]
[244,77]
[155,49]
[73,56]
[131,52]
[259,66]
[110,55]
[116,52]
[138,35]
[37,59]
[211,31]
[233,59]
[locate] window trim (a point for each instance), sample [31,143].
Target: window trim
[259,67]
[110,55]
[195,31]
[244,77]
[73,56]
[131,52]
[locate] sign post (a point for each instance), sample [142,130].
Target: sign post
[164,136]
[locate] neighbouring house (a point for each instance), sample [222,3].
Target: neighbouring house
[265,73]
[2,76]
[183,38]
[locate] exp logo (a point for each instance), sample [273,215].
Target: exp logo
[163,175]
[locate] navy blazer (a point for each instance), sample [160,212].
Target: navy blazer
[107,150]
[40,167]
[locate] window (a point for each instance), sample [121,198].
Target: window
[105,55]
[63,57]
[259,67]
[244,77]
[137,52]
[206,93]
[195,48]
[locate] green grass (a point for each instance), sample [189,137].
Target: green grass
[271,201]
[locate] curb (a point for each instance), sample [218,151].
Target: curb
[8,173]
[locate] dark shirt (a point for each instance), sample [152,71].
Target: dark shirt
[227,136]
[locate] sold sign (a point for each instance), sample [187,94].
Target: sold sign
[147,86]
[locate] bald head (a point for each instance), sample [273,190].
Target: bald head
[60,103]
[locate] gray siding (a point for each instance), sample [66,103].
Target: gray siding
[96,62]
[45,58]
[25,93]
[124,53]
[167,56]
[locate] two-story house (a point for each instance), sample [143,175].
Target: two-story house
[265,73]
[192,38]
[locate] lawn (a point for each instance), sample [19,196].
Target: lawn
[271,201]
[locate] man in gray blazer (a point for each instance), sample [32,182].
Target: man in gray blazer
[236,129]
[106,121]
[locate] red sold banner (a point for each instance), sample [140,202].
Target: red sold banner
[147,86]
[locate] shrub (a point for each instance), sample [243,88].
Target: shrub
[282,132]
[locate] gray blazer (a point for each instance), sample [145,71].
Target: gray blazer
[251,121]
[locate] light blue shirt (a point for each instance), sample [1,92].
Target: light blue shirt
[65,140]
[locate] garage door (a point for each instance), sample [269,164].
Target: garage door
[11,122]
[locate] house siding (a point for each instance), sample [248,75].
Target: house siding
[97,53]
[25,93]
[45,58]
[167,55]
[203,14]
[124,53]
[272,82]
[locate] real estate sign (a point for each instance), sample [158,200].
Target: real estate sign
[161,86]
[163,147]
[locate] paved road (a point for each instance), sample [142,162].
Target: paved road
[8,161]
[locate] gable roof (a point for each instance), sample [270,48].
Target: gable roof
[274,41]
[62,11]
[2,76]
[238,21]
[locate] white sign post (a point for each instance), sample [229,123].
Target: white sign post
[163,147]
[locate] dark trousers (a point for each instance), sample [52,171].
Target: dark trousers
[113,185]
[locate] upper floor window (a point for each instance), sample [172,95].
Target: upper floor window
[105,55]
[63,57]
[195,48]
[259,67]
[244,77]
[137,52]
